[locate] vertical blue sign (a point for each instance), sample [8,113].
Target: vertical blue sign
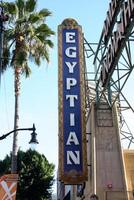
[71,101]
[72,136]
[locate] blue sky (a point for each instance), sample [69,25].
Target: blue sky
[39,93]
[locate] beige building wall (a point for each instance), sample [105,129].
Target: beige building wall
[107,159]
[106,176]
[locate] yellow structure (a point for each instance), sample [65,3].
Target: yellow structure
[129,171]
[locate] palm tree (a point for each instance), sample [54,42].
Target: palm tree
[27,37]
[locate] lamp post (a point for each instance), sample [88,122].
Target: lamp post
[33,140]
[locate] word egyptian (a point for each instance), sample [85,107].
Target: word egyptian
[72,98]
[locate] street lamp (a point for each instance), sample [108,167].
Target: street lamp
[33,134]
[33,140]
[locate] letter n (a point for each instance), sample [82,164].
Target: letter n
[73,158]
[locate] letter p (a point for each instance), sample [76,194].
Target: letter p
[71,82]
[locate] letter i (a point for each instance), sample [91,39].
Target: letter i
[72,119]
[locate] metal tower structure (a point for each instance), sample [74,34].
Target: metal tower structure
[110,88]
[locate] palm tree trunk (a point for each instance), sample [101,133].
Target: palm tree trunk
[16,121]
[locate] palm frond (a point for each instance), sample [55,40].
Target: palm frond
[45,13]
[44,29]
[20,4]
[19,57]
[26,70]
[11,10]
[5,59]
[31,5]
[34,18]
[38,52]
[49,43]
[9,7]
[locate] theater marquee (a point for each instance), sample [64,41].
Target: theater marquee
[124,10]
[72,125]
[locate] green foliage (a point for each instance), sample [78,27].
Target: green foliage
[27,36]
[36,175]
[5,165]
